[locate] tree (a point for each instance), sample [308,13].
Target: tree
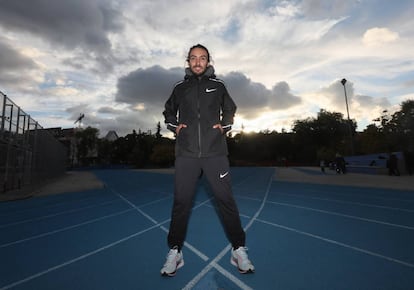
[163,155]
[87,142]
[390,133]
[402,126]
[372,140]
[321,136]
[158,133]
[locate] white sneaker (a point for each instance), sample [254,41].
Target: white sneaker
[174,262]
[240,259]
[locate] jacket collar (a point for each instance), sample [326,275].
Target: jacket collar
[207,74]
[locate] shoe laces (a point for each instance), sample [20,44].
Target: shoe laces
[242,252]
[172,254]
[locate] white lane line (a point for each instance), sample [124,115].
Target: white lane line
[339,243]
[343,215]
[47,206]
[347,202]
[77,258]
[241,214]
[359,195]
[188,245]
[72,226]
[57,214]
[65,228]
[19,282]
[332,213]
[155,201]
[213,263]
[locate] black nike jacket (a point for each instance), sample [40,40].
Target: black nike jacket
[200,103]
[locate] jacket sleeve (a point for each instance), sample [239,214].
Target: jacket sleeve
[170,113]
[228,109]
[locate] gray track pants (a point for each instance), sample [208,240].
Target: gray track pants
[216,170]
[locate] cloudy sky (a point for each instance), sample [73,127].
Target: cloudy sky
[116,61]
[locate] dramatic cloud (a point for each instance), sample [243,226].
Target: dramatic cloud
[252,98]
[151,85]
[334,94]
[13,60]
[117,61]
[249,96]
[15,67]
[282,98]
[72,24]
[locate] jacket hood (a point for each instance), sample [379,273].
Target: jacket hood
[208,73]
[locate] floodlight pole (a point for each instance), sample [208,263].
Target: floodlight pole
[343,81]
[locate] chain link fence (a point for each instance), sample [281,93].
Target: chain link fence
[29,154]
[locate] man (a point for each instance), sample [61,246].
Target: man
[205,113]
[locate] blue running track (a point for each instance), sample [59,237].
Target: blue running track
[300,236]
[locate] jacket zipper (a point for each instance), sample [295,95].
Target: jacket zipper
[199,118]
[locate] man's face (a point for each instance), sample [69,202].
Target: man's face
[198,61]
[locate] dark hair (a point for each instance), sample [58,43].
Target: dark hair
[198,46]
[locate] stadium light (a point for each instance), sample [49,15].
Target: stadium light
[343,81]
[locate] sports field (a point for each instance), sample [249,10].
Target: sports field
[307,232]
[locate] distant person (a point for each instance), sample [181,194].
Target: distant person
[340,164]
[409,161]
[200,111]
[322,165]
[393,165]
